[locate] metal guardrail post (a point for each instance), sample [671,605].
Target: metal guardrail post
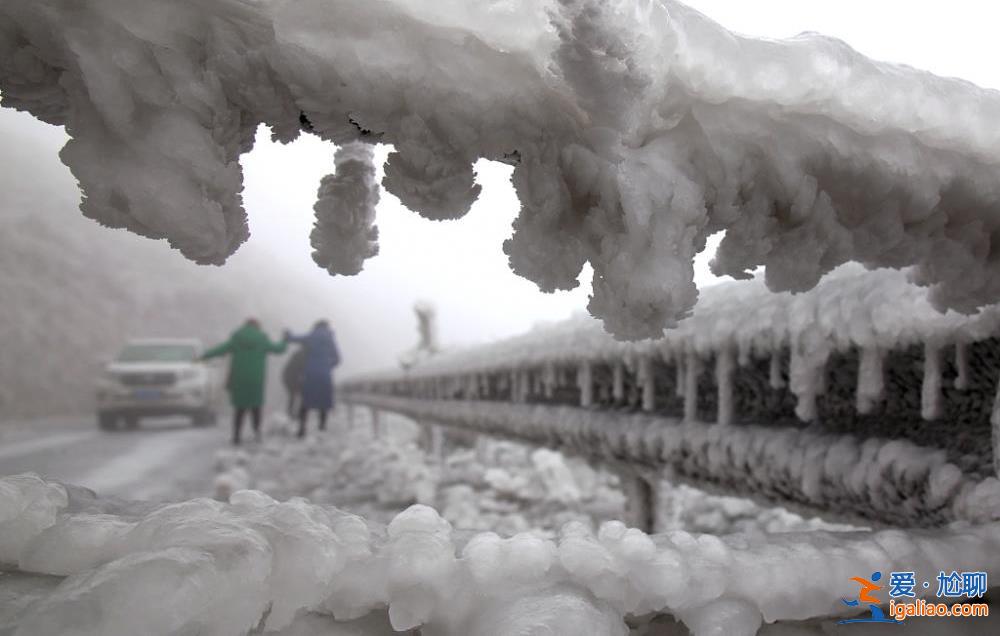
[640,500]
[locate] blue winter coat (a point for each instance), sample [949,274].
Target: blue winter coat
[321,356]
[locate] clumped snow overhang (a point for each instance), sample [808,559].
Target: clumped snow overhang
[636,129]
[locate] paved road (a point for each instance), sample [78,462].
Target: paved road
[163,460]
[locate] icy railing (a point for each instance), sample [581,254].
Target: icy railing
[83,565]
[635,128]
[897,396]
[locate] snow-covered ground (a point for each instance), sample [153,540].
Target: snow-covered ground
[164,460]
[76,564]
[479,484]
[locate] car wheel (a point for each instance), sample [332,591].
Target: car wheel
[131,422]
[106,421]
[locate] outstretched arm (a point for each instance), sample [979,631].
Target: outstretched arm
[219,350]
[291,337]
[276,347]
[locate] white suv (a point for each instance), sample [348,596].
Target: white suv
[154,377]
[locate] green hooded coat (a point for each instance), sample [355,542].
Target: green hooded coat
[248,348]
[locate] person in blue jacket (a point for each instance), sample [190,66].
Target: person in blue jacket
[321,356]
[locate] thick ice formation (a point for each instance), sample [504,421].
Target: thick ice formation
[636,127]
[293,567]
[345,234]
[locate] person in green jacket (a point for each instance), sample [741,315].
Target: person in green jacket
[248,348]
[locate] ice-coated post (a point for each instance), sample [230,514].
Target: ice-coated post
[618,382]
[724,384]
[640,501]
[645,377]
[585,380]
[692,369]
[376,422]
[482,449]
[930,393]
[537,385]
[350,415]
[549,379]
[437,443]
[424,438]
[525,376]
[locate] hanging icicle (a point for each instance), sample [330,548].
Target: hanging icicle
[930,393]
[618,382]
[871,380]
[962,366]
[724,383]
[680,379]
[774,371]
[744,355]
[692,369]
[585,380]
[644,375]
[806,375]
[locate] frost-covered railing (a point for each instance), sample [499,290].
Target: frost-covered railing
[635,129]
[74,563]
[856,398]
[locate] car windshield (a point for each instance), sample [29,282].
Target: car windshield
[158,353]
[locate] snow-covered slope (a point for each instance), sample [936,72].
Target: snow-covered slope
[637,127]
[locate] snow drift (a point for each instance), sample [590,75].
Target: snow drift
[636,127]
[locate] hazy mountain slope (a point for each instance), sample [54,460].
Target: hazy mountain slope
[71,292]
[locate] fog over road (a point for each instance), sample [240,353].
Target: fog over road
[162,460]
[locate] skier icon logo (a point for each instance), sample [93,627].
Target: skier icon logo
[866,595]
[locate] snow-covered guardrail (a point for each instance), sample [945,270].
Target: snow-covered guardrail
[97,567]
[856,398]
